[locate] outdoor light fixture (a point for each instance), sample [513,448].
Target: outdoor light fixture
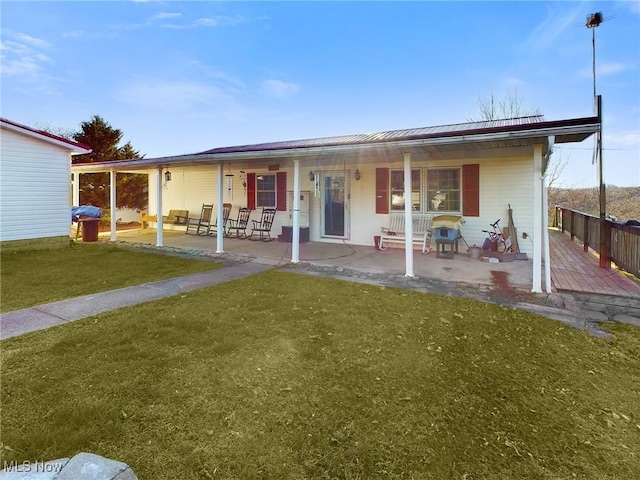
[357,174]
[312,176]
[167,176]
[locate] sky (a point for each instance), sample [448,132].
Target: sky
[183,77]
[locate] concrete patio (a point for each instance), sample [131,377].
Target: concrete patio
[462,268]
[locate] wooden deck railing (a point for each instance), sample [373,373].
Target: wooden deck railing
[622,242]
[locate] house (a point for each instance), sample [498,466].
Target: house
[344,188]
[35,207]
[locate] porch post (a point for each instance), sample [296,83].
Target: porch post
[408,221]
[545,222]
[112,203]
[295,241]
[159,207]
[75,190]
[536,285]
[220,213]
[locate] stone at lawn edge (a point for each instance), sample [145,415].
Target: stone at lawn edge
[631,320]
[88,466]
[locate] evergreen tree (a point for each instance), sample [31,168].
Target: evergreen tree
[131,189]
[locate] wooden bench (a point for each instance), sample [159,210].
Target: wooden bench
[394,232]
[175,217]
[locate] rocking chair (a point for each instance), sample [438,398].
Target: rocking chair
[239,224]
[202,225]
[262,228]
[226,210]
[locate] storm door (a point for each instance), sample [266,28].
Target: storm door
[334,204]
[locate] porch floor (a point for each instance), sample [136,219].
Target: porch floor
[464,269]
[574,270]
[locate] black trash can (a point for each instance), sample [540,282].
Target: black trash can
[90,229]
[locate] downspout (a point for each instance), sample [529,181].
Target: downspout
[536,285]
[295,245]
[112,203]
[220,213]
[408,220]
[545,219]
[159,222]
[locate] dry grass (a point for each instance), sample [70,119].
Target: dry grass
[283,376]
[35,277]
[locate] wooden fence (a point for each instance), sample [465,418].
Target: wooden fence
[622,242]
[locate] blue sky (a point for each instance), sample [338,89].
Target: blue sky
[181,77]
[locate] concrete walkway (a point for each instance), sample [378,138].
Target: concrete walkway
[579,313]
[27,320]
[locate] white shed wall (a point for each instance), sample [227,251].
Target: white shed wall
[35,188]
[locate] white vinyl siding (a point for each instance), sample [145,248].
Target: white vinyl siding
[504,182]
[35,188]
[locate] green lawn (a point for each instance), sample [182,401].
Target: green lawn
[284,376]
[35,277]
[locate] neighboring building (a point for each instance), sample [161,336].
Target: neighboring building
[35,174]
[349,184]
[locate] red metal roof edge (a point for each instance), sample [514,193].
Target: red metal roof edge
[45,134]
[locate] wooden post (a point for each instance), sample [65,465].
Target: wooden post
[585,233]
[605,247]
[572,228]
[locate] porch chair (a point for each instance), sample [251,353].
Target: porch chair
[262,228]
[239,224]
[202,225]
[226,210]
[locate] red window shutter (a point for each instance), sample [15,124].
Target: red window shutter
[382,190]
[281,191]
[251,191]
[471,190]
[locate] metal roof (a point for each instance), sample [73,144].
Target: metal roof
[388,136]
[512,132]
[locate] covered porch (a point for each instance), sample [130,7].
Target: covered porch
[345,188]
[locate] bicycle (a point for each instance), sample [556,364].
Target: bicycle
[496,241]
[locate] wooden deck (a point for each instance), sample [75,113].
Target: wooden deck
[574,270]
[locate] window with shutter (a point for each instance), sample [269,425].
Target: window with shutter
[281,191]
[471,190]
[382,190]
[251,191]
[267,191]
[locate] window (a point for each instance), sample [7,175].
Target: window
[397,190]
[266,190]
[443,190]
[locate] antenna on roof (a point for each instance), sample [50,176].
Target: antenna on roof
[594,19]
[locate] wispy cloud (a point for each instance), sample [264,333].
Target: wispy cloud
[629,139]
[556,22]
[634,7]
[171,95]
[279,89]
[165,15]
[218,21]
[26,58]
[608,68]
[176,21]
